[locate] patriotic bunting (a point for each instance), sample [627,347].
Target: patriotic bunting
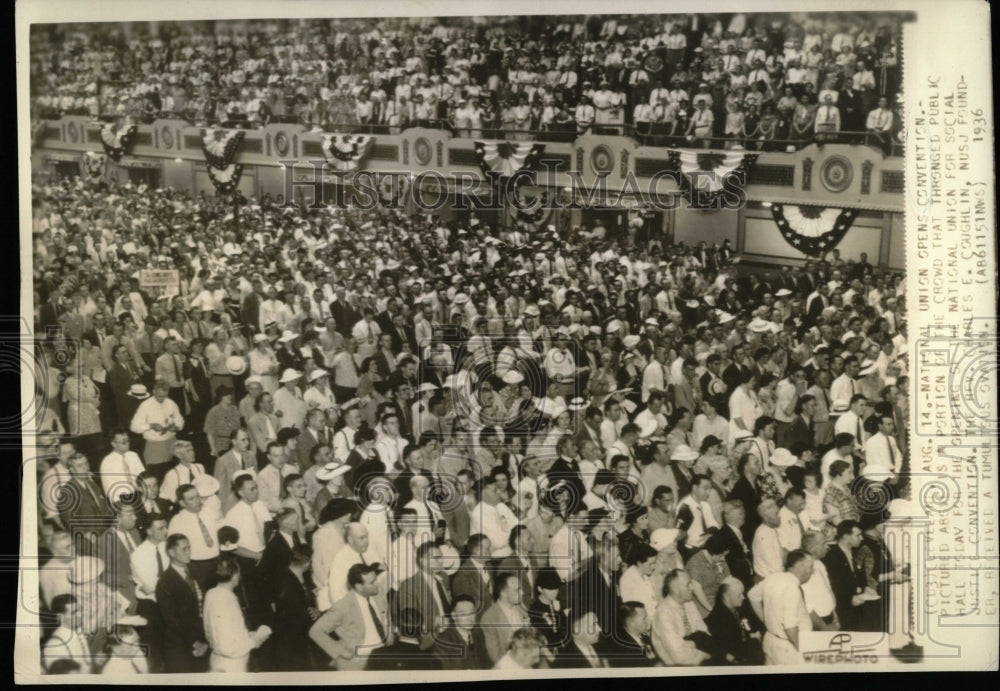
[507,158]
[220,145]
[226,179]
[117,141]
[812,229]
[534,209]
[705,171]
[346,151]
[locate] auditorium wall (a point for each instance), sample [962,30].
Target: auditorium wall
[714,227]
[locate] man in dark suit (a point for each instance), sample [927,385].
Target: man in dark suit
[735,373]
[179,598]
[802,431]
[473,578]
[461,646]
[745,491]
[406,654]
[845,580]
[89,512]
[250,309]
[730,628]
[581,651]
[631,646]
[294,613]
[115,547]
[278,551]
[519,562]
[546,613]
[152,503]
[456,513]
[121,377]
[596,587]
[731,535]
[428,593]
[566,469]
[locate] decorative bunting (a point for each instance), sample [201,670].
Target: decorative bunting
[812,229]
[94,164]
[507,158]
[225,180]
[705,171]
[535,209]
[220,145]
[117,141]
[346,151]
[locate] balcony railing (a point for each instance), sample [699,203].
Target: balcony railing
[568,133]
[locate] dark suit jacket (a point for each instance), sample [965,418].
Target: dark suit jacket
[844,581]
[250,312]
[457,520]
[273,564]
[732,376]
[468,581]
[570,657]
[120,382]
[452,652]
[590,591]
[415,592]
[402,656]
[799,432]
[563,470]
[622,650]
[164,507]
[747,494]
[294,650]
[85,504]
[552,625]
[737,559]
[724,627]
[512,564]
[182,623]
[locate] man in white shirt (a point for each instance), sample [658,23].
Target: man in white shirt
[271,477]
[791,528]
[358,621]
[356,551]
[120,469]
[694,513]
[778,602]
[883,459]
[65,643]
[157,419]
[676,619]
[200,531]
[768,555]
[248,516]
[820,601]
[492,518]
[852,421]
[183,473]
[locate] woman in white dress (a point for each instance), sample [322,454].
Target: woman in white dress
[264,364]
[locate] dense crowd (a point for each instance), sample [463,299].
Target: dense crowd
[767,80]
[364,440]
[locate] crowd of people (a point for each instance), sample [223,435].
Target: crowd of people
[770,81]
[358,439]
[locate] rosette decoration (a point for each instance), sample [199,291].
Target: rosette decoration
[220,146]
[93,165]
[507,158]
[346,151]
[534,209]
[812,229]
[117,140]
[704,172]
[226,179]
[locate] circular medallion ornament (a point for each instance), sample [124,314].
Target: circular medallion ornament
[602,160]
[73,134]
[167,138]
[281,143]
[836,173]
[422,151]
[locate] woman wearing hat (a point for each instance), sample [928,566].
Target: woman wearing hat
[82,397]
[221,421]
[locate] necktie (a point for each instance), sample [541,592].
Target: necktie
[687,624]
[159,562]
[129,543]
[128,473]
[177,369]
[204,532]
[859,430]
[93,494]
[194,586]
[892,454]
[375,620]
